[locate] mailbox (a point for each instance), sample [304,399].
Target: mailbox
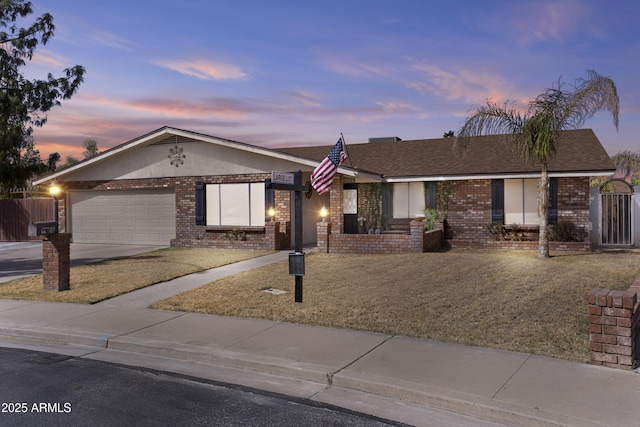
[42,228]
[296,264]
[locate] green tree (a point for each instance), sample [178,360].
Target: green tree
[90,148]
[24,103]
[70,161]
[534,130]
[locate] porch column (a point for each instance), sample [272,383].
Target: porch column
[56,262]
[323,232]
[336,209]
[271,231]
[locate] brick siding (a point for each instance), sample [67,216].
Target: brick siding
[188,234]
[470,213]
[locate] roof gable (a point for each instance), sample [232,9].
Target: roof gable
[171,152]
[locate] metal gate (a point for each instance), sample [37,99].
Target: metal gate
[617,219]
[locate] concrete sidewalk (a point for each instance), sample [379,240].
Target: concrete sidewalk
[390,377]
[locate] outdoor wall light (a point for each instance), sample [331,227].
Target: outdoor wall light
[323,213]
[272,213]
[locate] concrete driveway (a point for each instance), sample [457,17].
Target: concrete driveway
[18,259]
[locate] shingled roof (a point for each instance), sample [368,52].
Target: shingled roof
[578,152]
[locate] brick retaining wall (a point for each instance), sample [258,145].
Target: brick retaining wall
[417,241]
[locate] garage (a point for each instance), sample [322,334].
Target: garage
[137,217]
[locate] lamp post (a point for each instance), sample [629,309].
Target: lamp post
[323,213]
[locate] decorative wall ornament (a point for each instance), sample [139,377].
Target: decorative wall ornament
[176,156]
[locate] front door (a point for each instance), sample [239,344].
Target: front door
[350,203]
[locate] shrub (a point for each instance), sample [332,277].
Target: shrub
[430,217]
[564,231]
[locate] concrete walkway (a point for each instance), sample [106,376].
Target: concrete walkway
[391,377]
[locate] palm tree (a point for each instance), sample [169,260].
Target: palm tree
[628,163]
[534,131]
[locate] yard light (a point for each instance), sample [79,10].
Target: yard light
[55,190]
[323,213]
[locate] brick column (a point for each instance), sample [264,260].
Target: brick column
[417,236]
[56,262]
[323,232]
[613,323]
[336,209]
[271,231]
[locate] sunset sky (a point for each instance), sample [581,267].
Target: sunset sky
[291,73]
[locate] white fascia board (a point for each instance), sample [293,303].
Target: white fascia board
[497,176]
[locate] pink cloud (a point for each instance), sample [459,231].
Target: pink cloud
[48,58]
[471,86]
[204,70]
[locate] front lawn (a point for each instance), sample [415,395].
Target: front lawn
[96,282]
[502,299]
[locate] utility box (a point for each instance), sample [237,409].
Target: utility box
[296,264]
[44,228]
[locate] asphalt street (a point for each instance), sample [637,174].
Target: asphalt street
[56,390]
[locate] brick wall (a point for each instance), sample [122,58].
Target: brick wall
[614,317]
[416,241]
[573,203]
[470,213]
[188,234]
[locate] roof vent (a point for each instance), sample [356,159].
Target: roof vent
[385,139]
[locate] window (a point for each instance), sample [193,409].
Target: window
[238,204]
[515,201]
[350,201]
[408,199]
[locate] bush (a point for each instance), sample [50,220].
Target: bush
[512,232]
[430,217]
[564,231]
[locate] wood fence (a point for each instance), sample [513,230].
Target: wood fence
[15,216]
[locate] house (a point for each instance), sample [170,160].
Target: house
[183,188]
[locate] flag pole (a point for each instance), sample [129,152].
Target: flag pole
[347,150]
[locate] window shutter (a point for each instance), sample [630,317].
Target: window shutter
[387,201]
[497,201]
[553,201]
[201,205]
[431,199]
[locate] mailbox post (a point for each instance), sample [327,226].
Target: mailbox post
[56,254]
[293,182]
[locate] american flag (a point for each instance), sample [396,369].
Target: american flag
[322,176]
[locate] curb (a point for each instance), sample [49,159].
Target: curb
[381,387]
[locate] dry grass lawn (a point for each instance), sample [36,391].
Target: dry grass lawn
[502,299]
[96,282]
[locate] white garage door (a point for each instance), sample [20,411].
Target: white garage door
[137,217]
